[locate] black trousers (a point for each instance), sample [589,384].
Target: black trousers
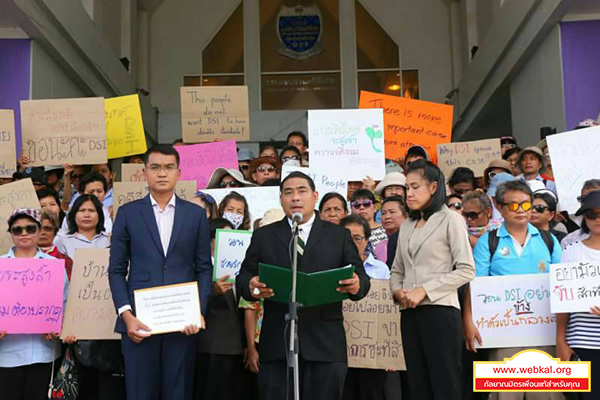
[468,359]
[28,382]
[364,384]
[432,341]
[318,380]
[100,385]
[220,377]
[593,356]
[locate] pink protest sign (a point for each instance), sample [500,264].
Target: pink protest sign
[31,295]
[198,161]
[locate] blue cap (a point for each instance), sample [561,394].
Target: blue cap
[498,180]
[245,155]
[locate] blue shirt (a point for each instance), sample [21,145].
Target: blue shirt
[535,257]
[550,185]
[376,269]
[21,349]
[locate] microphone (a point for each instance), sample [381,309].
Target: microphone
[297,217]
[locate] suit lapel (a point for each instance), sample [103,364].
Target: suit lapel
[180,210]
[430,226]
[316,234]
[284,232]
[150,220]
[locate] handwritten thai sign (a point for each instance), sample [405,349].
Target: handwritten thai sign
[230,251]
[473,155]
[8,149]
[260,199]
[132,173]
[200,160]
[575,286]
[372,328]
[31,295]
[124,127]
[410,122]
[126,192]
[90,312]
[19,194]
[215,112]
[347,143]
[325,181]
[513,310]
[64,131]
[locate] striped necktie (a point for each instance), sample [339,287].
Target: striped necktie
[301,243]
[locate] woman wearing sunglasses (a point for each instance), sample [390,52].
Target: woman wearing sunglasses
[494,168]
[26,359]
[433,259]
[454,202]
[364,204]
[223,178]
[264,169]
[477,212]
[543,213]
[579,333]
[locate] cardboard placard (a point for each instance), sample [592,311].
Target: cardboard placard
[473,155]
[19,194]
[64,131]
[230,251]
[124,127]
[200,160]
[325,181]
[215,112]
[132,173]
[575,286]
[411,122]
[90,313]
[372,326]
[8,143]
[126,192]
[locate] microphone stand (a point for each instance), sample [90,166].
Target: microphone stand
[292,316]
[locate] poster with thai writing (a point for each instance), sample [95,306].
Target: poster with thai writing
[575,286]
[19,194]
[230,251]
[132,173]
[513,310]
[199,161]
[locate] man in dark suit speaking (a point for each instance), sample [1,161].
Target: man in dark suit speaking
[322,340]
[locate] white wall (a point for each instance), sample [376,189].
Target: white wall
[536,93]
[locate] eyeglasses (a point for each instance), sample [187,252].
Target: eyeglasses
[76,176]
[591,215]
[230,184]
[358,239]
[48,229]
[471,215]
[514,207]
[538,208]
[266,169]
[358,204]
[288,158]
[155,168]
[20,230]
[456,206]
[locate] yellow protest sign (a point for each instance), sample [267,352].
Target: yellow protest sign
[124,126]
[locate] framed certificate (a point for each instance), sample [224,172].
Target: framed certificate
[170,308]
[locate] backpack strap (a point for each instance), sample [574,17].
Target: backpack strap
[493,242]
[548,240]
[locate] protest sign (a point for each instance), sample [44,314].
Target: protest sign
[132,173]
[200,160]
[64,131]
[411,122]
[349,143]
[325,181]
[8,149]
[372,328]
[215,112]
[31,295]
[575,286]
[574,158]
[126,192]
[473,155]
[260,199]
[19,194]
[230,251]
[90,312]
[513,311]
[124,127]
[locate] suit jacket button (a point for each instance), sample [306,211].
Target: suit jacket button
[165,266]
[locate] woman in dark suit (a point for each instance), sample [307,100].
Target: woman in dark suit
[433,259]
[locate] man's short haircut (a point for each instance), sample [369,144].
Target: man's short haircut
[289,148]
[301,175]
[357,220]
[363,194]
[165,149]
[396,199]
[482,199]
[513,186]
[300,135]
[92,177]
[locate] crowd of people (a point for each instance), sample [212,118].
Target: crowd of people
[428,234]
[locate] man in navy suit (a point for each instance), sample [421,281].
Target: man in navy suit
[158,240]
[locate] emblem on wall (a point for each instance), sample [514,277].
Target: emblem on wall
[299,31]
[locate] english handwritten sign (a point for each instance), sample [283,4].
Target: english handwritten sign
[473,155]
[575,286]
[200,160]
[132,173]
[19,194]
[348,143]
[411,122]
[230,251]
[124,127]
[64,131]
[215,112]
[90,312]
[8,149]
[325,181]
[126,192]
[31,295]
[513,311]
[372,329]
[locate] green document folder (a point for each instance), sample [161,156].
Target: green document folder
[312,289]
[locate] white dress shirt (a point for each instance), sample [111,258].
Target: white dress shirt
[304,229]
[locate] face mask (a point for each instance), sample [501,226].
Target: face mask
[292,163]
[235,219]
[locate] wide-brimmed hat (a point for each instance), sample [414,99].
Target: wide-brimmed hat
[391,179]
[271,215]
[531,149]
[245,155]
[589,202]
[32,213]
[219,173]
[264,160]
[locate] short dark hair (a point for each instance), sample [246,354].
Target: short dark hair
[332,195]
[108,164]
[236,196]
[396,199]
[482,199]
[165,149]
[357,220]
[53,218]
[298,134]
[289,148]
[462,175]
[75,209]
[510,152]
[363,194]
[453,196]
[218,223]
[547,197]
[512,186]
[268,146]
[59,173]
[301,175]
[92,177]
[48,192]
[431,173]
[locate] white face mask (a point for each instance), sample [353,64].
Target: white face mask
[292,163]
[235,219]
